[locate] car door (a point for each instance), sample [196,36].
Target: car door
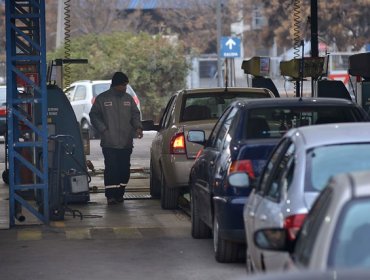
[157,143]
[255,198]
[204,168]
[269,212]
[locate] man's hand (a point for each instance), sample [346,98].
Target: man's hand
[139,133]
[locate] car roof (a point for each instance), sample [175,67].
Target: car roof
[92,81]
[358,181]
[341,273]
[296,101]
[223,90]
[335,133]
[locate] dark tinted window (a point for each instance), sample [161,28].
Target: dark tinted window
[274,122]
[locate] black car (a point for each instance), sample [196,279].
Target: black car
[242,140]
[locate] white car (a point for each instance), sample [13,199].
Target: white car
[82,95]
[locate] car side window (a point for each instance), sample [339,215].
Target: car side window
[80,93]
[213,136]
[271,165]
[310,228]
[280,179]
[223,136]
[166,114]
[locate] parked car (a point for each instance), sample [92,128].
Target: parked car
[336,231]
[337,274]
[242,140]
[82,95]
[3,111]
[296,172]
[171,154]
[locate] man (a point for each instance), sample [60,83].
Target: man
[116,117]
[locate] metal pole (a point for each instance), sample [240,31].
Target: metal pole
[219,66]
[314,41]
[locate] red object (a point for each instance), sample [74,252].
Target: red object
[178,144]
[293,223]
[243,165]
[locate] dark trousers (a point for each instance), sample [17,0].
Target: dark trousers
[117,171]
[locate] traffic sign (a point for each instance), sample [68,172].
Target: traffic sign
[230,47]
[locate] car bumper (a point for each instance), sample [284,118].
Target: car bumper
[229,213]
[176,169]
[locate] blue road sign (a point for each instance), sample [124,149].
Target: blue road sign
[230,47]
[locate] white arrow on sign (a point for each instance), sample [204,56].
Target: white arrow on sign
[230,43]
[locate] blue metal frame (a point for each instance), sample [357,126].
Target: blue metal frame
[26,46]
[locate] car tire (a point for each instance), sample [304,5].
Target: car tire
[225,251]
[5,176]
[154,183]
[169,196]
[198,228]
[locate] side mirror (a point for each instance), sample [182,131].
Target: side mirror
[238,180]
[274,239]
[197,136]
[149,125]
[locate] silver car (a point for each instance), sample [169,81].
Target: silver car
[171,154]
[295,173]
[336,231]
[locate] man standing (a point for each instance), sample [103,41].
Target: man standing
[116,117]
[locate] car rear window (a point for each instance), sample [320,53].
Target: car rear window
[207,106]
[274,122]
[99,88]
[323,162]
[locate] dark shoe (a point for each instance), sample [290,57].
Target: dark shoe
[111,201]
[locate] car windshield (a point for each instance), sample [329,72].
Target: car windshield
[211,105]
[323,162]
[99,88]
[273,122]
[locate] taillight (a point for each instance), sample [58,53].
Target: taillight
[93,100]
[292,224]
[242,165]
[178,144]
[3,112]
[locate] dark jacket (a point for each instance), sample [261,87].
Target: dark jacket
[115,115]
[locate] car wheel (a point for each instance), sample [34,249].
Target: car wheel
[225,251]
[198,228]
[248,262]
[169,196]
[5,176]
[155,190]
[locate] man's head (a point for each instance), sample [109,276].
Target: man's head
[119,79]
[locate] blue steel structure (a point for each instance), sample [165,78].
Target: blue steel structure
[27,141]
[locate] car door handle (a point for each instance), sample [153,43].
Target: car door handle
[251,214]
[263,217]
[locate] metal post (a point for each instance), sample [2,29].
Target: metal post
[219,23]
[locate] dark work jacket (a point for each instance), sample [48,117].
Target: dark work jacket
[115,115]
